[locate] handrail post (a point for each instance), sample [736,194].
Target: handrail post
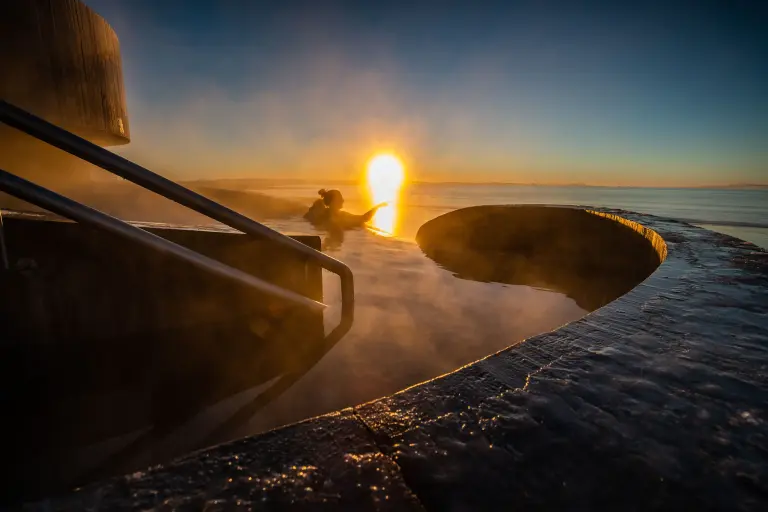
[3,247]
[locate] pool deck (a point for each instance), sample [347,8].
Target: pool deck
[655,401]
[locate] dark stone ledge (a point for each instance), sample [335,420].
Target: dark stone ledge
[655,401]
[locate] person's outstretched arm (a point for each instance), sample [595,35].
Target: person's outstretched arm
[370,213]
[346,220]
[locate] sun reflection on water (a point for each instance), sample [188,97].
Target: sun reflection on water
[385,220]
[385,178]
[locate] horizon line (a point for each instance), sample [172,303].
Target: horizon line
[728,186]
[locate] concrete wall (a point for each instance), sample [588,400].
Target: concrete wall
[101,337]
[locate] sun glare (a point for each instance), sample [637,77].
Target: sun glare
[385,178]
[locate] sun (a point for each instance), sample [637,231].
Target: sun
[385,177]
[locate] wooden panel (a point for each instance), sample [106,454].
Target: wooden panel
[61,61]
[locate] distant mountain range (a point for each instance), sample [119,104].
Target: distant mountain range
[266,183]
[738,186]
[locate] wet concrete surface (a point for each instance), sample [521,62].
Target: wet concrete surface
[655,401]
[285,468]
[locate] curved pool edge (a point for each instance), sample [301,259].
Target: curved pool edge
[654,400]
[590,257]
[656,240]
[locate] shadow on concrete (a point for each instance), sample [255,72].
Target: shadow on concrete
[589,257]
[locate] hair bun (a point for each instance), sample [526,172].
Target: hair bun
[322,192]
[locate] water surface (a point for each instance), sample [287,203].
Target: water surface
[416,320]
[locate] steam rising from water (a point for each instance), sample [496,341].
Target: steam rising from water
[413,321]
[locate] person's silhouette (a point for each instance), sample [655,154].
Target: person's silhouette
[327,212]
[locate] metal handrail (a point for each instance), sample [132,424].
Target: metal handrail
[77,146]
[55,203]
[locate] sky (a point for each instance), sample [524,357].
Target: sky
[650,93]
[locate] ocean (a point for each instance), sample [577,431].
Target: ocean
[740,213]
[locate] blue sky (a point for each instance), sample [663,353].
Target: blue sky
[643,93]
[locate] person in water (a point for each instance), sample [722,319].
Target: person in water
[327,212]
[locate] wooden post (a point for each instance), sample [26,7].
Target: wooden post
[61,61]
